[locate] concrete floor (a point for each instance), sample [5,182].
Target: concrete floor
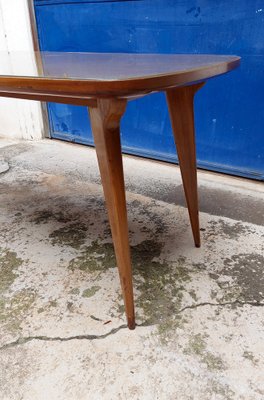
[200,313]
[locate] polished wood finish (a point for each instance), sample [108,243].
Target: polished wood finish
[105,121]
[104,83]
[106,75]
[53,98]
[180,104]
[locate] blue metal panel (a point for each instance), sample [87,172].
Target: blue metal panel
[229,109]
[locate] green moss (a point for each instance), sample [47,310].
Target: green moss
[213,362]
[53,303]
[159,284]
[250,356]
[91,291]
[95,258]
[197,346]
[13,310]
[75,291]
[9,263]
[47,306]
[73,235]
[2,309]
[120,309]
[166,329]
[219,389]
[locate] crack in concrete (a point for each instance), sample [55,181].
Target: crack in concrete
[24,340]
[228,303]
[207,303]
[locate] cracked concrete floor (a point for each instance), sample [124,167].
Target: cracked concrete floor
[200,313]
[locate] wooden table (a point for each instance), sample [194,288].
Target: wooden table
[104,83]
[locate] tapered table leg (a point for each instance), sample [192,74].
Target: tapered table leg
[180,104]
[105,121]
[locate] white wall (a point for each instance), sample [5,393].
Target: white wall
[20,119]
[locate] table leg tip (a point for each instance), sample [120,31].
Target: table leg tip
[131,324]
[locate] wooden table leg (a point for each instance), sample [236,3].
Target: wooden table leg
[105,121]
[180,104]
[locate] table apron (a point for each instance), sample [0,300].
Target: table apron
[49,97]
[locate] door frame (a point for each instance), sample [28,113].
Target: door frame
[36,47]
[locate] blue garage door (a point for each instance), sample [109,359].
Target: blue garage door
[229,109]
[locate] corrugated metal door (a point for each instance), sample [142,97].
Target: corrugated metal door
[229,109]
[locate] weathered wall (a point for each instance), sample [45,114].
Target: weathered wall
[19,119]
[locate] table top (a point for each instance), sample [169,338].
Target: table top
[109,73]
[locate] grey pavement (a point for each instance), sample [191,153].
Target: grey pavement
[200,312]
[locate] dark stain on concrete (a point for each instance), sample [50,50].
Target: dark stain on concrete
[214,201]
[149,215]
[247,270]
[97,257]
[250,356]
[13,150]
[73,235]
[225,230]
[233,231]
[45,216]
